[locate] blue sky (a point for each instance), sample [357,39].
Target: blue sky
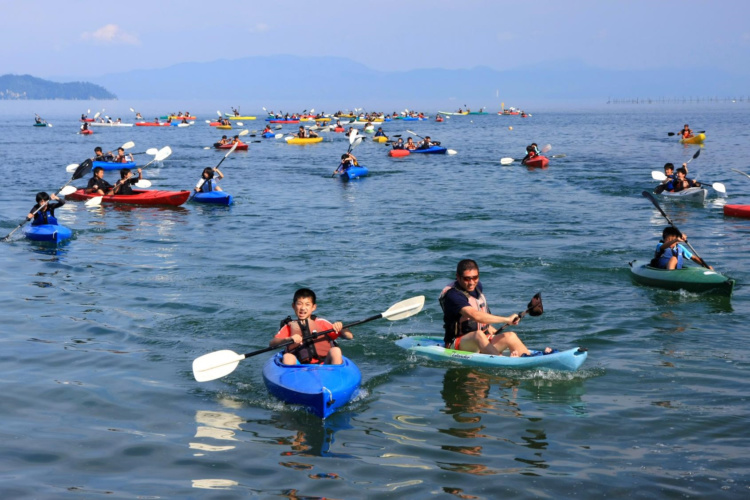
[79,39]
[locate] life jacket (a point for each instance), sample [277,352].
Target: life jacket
[313,349]
[661,258]
[45,217]
[465,324]
[207,186]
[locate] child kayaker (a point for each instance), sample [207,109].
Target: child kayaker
[44,211]
[308,347]
[410,144]
[207,182]
[97,184]
[670,253]
[122,157]
[125,185]
[681,182]
[668,183]
[347,160]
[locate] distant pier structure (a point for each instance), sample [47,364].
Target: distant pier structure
[675,100]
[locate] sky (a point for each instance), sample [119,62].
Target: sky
[76,39]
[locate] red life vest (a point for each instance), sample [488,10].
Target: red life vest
[465,324]
[313,349]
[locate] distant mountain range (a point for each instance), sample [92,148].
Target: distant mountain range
[15,87]
[333,79]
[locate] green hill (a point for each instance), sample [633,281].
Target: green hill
[17,87]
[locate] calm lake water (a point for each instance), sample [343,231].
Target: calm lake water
[100,333]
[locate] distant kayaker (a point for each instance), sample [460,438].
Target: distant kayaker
[348,160]
[686,132]
[410,144]
[670,253]
[123,157]
[83,117]
[138,116]
[125,185]
[681,182]
[308,347]
[207,182]
[426,143]
[100,156]
[399,144]
[44,211]
[467,320]
[224,140]
[267,130]
[38,119]
[84,126]
[236,140]
[531,152]
[379,132]
[97,184]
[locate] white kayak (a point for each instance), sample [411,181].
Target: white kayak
[113,124]
[689,194]
[433,348]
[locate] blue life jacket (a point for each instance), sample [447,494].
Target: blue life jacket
[207,186]
[45,217]
[667,254]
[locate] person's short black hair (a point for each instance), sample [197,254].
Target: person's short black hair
[304,293]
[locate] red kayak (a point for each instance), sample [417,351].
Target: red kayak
[283,121]
[240,147]
[86,132]
[339,129]
[737,210]
[141,197]
[398,153]
[537,161]
[87,120]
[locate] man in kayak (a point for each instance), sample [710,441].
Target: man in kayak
[681,182]
[125,185]
[467,319]
[97,184]
[44,211]
[308,347]
[207,182]
[686,132]
[670,253]
[347,160]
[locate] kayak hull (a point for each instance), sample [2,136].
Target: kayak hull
[97,124]
[433,348]
[689,278]
[321,389]
[432,150]
[232,117]
[86,132]
[305,140]
[111,165]
[269,135]
[142,197]
[283,121]
[240,147]
[380,139]
[154,124]
[538,161]
[354,172]
[695,194]
[737,210]
[50,233]
[213,197]
[41,125]
[696,139]
[398,153]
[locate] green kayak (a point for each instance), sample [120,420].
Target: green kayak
[691,278]
[433,348]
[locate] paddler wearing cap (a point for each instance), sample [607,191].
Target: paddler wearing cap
[467,319]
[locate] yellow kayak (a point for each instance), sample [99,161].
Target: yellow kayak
[224,127]
[306,140]
[241,117]
[696,139]
[322,119]
[381,138]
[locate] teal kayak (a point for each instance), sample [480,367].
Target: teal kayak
[690,278]
[433,348]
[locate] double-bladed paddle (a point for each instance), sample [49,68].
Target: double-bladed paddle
[651,198]
[450,151]
[221,363]
[354,140]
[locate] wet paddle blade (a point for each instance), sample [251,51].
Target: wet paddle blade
[83,169]
[451,152]
[128,145]
[71,168]
[658,176]
[535,306]
[67,190]
[152,151]
[405,308]
[143,183]
[94,202]
[506,161]
[215,365]
[719,187]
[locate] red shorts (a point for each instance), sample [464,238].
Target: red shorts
[457,341]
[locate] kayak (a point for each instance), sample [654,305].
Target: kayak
[113,124]
[478,113]
[154,124]
[215,197]
[453,114]
[537,161]
[321,389]
[111,165]
[306,140]
[398,153]
[232,117]
[354,172]
[282,121]
[224,127]
[240,147]
[380,138]
[690,194]
[414,118]
[438,150]
[53,233]
[155,197]
[175,117]
[339,129]
[737,210]
[690,278]
[86,132]
[268,135]
[88,120]
[433,348]
[696,139]
[41,125]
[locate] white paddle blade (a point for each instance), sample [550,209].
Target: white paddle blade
[244,133]
[215,365]
[658,176]
[506,161]
[67,190]
[288,138]
[96,115]
[128,145]
[451,152]
[353,136]
[740,172]
[152,151]
[143,183]
[163,153]
[546,148]
[718,186]
[94,202]
[218,113]
[278,136]
[405,308]
[71,168]
[239,124]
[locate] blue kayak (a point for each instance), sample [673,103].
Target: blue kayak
[437,150]
[215,197]
[433,348]
[354,172]
[111,165]
[53,233]
[269,135]
[321,389]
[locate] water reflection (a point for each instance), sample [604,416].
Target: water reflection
[311,435]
